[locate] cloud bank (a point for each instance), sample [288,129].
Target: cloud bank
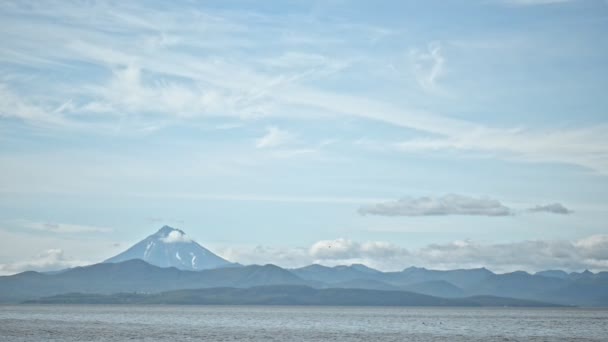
[50,260]
[531,255]
[590,252]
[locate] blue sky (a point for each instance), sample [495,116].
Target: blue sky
[440,134]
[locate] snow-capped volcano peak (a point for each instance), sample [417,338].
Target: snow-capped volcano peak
[171,247]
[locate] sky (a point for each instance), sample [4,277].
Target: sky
[439,134]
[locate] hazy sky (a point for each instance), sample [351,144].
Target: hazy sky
[432,133]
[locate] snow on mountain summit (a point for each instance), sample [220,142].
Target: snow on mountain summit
[170,247]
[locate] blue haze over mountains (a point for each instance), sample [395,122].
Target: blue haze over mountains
[169,261]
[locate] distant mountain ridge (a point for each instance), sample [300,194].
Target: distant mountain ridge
[137,276]
[584,289]
[168,260]
[171,247]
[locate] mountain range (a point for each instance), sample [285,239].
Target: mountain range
[164,265]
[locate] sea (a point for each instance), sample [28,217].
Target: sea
[297,323]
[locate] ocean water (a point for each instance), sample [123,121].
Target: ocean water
[281,323]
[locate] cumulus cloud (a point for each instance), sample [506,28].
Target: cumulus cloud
[445,205]
[594,247]
[347,249]
[50,260]
[377,254]
[262,255]
[335,249]
[274,137]
[175,236]
[340,251]
[553,208]
[524,255]
[530,255]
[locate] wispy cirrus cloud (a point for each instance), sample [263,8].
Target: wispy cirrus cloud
[61,228]
[13,105]
[586,147]
[157,69]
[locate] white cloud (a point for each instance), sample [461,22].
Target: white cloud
[50,260]
[531,255]
[21,245]
[594,247]
[335,249]
[554,208]
[274,137]
[327,252]
[525,255]
[429,65]
[445,205]
[347,250]
[175,236]
[262,255]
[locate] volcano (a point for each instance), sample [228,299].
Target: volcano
[171,247]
